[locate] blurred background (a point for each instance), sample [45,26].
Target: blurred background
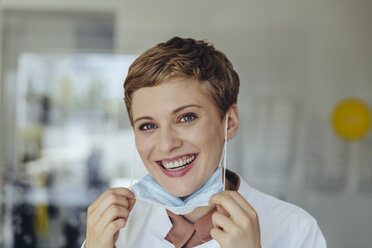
[65,136]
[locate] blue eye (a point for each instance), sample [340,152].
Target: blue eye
[188,117]
[146,126]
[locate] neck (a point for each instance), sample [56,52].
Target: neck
[201,211]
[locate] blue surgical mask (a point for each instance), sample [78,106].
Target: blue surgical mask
[150,191]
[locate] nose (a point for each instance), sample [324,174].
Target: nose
[169,139]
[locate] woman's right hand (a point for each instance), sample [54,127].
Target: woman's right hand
[106,216]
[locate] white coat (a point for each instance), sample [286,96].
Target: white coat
[282,225]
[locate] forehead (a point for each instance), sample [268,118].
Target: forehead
[169,95]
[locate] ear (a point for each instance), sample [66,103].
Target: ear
[232,122]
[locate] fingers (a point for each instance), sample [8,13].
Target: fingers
[220,236]
[115,226]
[111,215]
[221,210]
[235,223]
[116,196]
[224,195]
[131,203]
[107,215]
[240,200]
[114,191]
[222,221]
[231,202]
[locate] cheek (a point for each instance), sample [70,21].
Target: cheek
[141,153]
[206,136]
[142,147]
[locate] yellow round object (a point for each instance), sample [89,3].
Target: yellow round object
[351,119]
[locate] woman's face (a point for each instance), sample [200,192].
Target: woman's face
[179,133]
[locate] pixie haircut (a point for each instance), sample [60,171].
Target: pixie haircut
[185,58]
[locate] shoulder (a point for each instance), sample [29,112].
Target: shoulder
[282,222]
[270,206]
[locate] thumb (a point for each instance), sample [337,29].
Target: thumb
[221,210]
[131,201]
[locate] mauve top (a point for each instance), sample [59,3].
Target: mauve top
[184,234]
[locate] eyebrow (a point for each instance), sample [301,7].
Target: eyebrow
[173,112]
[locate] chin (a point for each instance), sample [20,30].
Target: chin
[183,194]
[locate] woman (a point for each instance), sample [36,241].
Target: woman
[181,98]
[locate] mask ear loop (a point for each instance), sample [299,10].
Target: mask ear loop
[132,166]
[225,154]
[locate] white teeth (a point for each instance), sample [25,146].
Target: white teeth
[178,164]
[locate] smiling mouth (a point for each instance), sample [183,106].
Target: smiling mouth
[177,164]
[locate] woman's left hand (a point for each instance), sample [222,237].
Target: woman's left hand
[235,224]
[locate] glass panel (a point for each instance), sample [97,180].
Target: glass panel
[73,137]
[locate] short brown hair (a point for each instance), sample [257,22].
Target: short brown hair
[185,57]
